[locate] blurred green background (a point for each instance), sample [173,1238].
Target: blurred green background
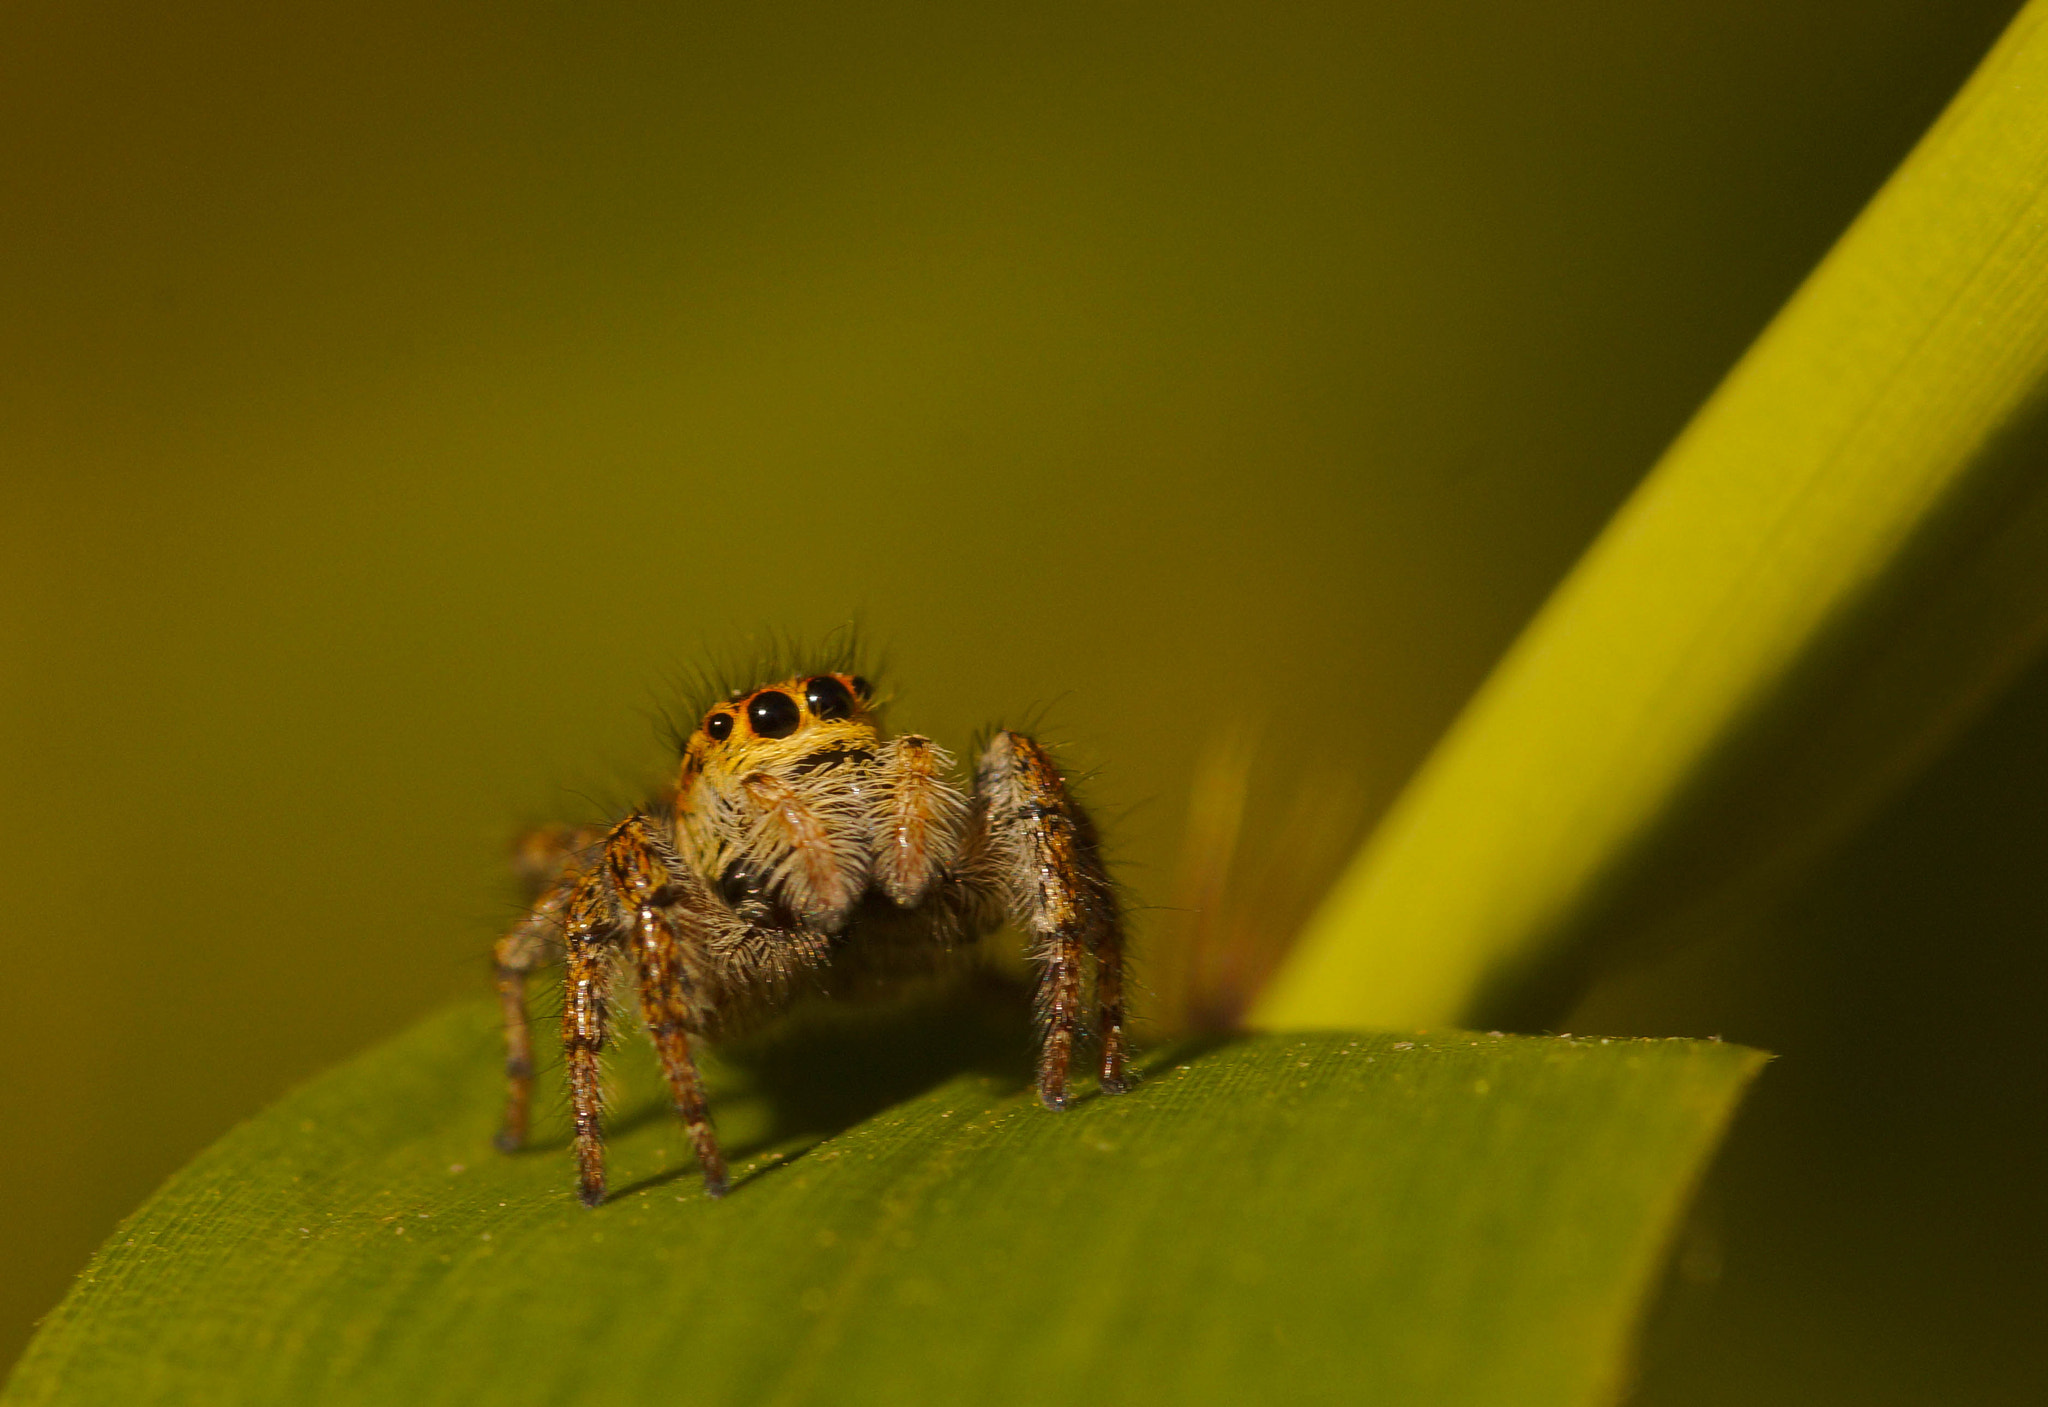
[399,399]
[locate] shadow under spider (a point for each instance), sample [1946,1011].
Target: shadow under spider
[829,1068]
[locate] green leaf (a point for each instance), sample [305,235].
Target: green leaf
[1442,1218]
[1842,557]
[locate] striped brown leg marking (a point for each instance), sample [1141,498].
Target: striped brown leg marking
[589,935]
[665,986]
[1109,1001]
[1059,1001]
[1044,846]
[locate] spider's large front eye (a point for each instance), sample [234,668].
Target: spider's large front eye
[718,727]
[773,714]
[828,698]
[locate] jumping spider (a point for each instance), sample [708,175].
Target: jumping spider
[802,851]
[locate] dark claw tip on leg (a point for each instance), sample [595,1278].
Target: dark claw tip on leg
[1119,1084]
[715,1185]
[590,1196]
[507,1141]
[1054,1100]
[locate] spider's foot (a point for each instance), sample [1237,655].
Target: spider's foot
[507,1141]
[591,1195]
[715,1184]
[1118,1082]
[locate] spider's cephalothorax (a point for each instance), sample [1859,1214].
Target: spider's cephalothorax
[803,851]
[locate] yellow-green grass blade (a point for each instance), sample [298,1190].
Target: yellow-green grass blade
[1443,1217]
[1842,555]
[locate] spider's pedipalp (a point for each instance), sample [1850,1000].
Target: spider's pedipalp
[810,839]
[917,820]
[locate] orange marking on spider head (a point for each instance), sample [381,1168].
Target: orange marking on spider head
[755,730]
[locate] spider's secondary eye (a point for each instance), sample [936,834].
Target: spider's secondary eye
[828,697]
[773,714]
[863,688]
[718,727]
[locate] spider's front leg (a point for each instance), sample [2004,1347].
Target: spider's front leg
[1040,848]
[590,931]
[673,914]
[640,894]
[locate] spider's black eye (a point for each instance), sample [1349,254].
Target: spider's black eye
[828,698]
[863,688]
[737,885]
[718,727]
[773,714]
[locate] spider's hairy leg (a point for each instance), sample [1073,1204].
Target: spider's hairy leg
[590,932]
[1115,1070]
[543,858]
[918,818]
[670,906]
[1047,861]
[517,954]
